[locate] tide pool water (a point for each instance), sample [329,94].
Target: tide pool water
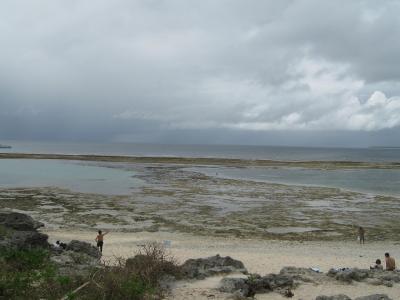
[374,181]
[66,174]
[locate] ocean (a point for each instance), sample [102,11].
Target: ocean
[99,179]
[281,153]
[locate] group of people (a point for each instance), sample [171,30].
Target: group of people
[389,261]
[60,245]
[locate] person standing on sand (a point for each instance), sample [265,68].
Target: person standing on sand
[361,235]
[390,262]
[100,240]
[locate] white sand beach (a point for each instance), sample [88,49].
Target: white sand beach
[259,256]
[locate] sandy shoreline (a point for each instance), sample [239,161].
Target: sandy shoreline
[259,256]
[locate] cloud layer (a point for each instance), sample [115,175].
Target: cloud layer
[145,70]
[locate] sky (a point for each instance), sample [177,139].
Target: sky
[300,73]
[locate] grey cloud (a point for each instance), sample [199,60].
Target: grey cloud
[150,70]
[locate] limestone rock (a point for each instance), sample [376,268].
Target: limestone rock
[344,297]
[18,221]
[335,297]
[374,297]
[348,275]
[231,285]
[204,267]
[75,263]
[83,247]
[28,239]
[248,287]
[302,274]
[20,231]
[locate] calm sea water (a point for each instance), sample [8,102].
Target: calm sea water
[115,181]
[66,174]
[221,151]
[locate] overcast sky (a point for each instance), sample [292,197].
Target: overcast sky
[321,73]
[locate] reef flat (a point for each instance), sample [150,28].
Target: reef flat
[209,161]
[175,199]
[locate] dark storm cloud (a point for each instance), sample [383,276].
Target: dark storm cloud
[164,70]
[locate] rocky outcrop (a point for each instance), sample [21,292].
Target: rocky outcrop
[248,287]
[290,277]
[74,263]
[204,267]
[83,247]
[79,258]
[348,275]
[335,297]
[374,297]
[374,277]
[344,297]
[301,275]
[20,231]
[19,221]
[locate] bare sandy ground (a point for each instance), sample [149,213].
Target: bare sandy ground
[261,257]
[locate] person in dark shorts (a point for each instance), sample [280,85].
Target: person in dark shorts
[361,235]
[100,240]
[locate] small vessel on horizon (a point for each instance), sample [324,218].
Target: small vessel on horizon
[5,146]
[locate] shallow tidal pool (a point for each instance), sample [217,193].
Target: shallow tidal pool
[72,175]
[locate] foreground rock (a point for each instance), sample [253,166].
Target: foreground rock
[303,275]
[83,247]
[19,231]
[74,263]
[373,277]
[348,275]
[19,221]
[336,297]
[248,287]
[344,297]
[290,277]
[205,267]
[79,258]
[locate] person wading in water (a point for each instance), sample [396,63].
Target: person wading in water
[100,240]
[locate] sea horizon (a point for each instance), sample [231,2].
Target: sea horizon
[246,152]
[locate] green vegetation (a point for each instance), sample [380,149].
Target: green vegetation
[30,274]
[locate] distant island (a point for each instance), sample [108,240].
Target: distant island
[5,146]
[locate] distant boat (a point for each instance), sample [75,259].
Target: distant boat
[5,146]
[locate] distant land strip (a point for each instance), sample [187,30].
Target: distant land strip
[233,162]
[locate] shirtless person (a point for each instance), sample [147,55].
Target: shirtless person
[390,262]
[100,240]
